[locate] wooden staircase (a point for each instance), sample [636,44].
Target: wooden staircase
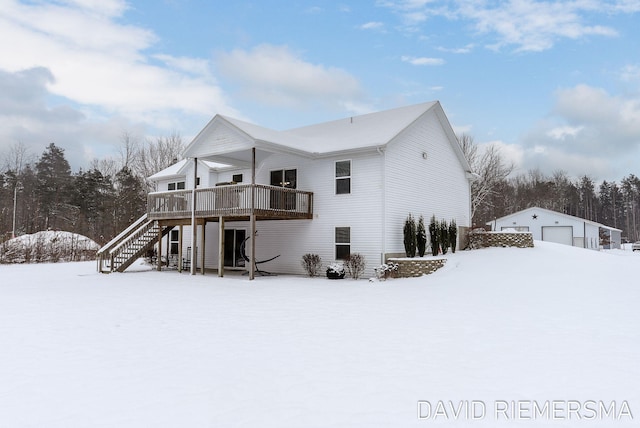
[128,246]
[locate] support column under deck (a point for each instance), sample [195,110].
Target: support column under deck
[159,253]
[202,245]
[180,256]
[252,217]
[193,218]
[221,247]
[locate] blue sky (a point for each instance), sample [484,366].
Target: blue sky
[556,85]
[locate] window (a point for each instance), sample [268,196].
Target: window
[343,177]
[237,178]
[174,241]
[287,178]
[343,242]
[176,186]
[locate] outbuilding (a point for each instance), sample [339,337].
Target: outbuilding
[552,226]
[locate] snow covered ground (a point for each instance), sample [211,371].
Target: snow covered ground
[494,327]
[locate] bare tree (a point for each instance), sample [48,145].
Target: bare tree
[16,157]
[490,170]
[156,155]
[108,167]
[129,147]
[15,161]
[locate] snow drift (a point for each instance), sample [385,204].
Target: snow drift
[48,246]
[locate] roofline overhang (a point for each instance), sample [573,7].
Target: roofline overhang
[590,222]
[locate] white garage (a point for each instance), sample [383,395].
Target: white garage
[552,226]
[558,234]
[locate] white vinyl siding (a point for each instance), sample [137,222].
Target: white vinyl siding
[424,177]
[392,181]
[291,239]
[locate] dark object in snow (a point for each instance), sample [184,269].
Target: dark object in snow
[335,271]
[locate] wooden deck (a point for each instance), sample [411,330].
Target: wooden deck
[232,201]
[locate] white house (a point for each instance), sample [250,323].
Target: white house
[552,226]
[331,189]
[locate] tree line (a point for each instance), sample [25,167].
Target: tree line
[99,202]
[497,192]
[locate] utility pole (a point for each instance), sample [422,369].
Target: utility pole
[15,200]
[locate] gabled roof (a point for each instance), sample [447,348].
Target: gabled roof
[358,132]
[170,171]
[556,213]
[225,135]
[178,169]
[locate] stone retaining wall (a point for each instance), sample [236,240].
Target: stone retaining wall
[408,268]
[501,239]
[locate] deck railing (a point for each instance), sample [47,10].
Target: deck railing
[231,201]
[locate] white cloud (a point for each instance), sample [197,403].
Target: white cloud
[562,132]
[277,77]
[603,116]
[25,117]
[511,153]
[463,50]
[102,64]
[589,131]
[551,159]
[630,73]
[314,10]
[533,26]
[373,25]
[526,25]
[422,60]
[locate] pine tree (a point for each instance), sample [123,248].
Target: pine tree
[54,183]
[410,236]
[434,234]
[453,235]
[421,237]
[130,198]
[94,196]
[444,236]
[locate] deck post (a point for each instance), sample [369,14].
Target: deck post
[159,253]
[252,217]
[194,225]
[203,237]
[221,247]
[180,248]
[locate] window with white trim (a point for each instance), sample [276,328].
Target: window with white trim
[178,185]
[343,242]
[343,177]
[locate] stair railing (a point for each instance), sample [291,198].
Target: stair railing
[104,251]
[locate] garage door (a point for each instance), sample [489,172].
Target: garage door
[558,234]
